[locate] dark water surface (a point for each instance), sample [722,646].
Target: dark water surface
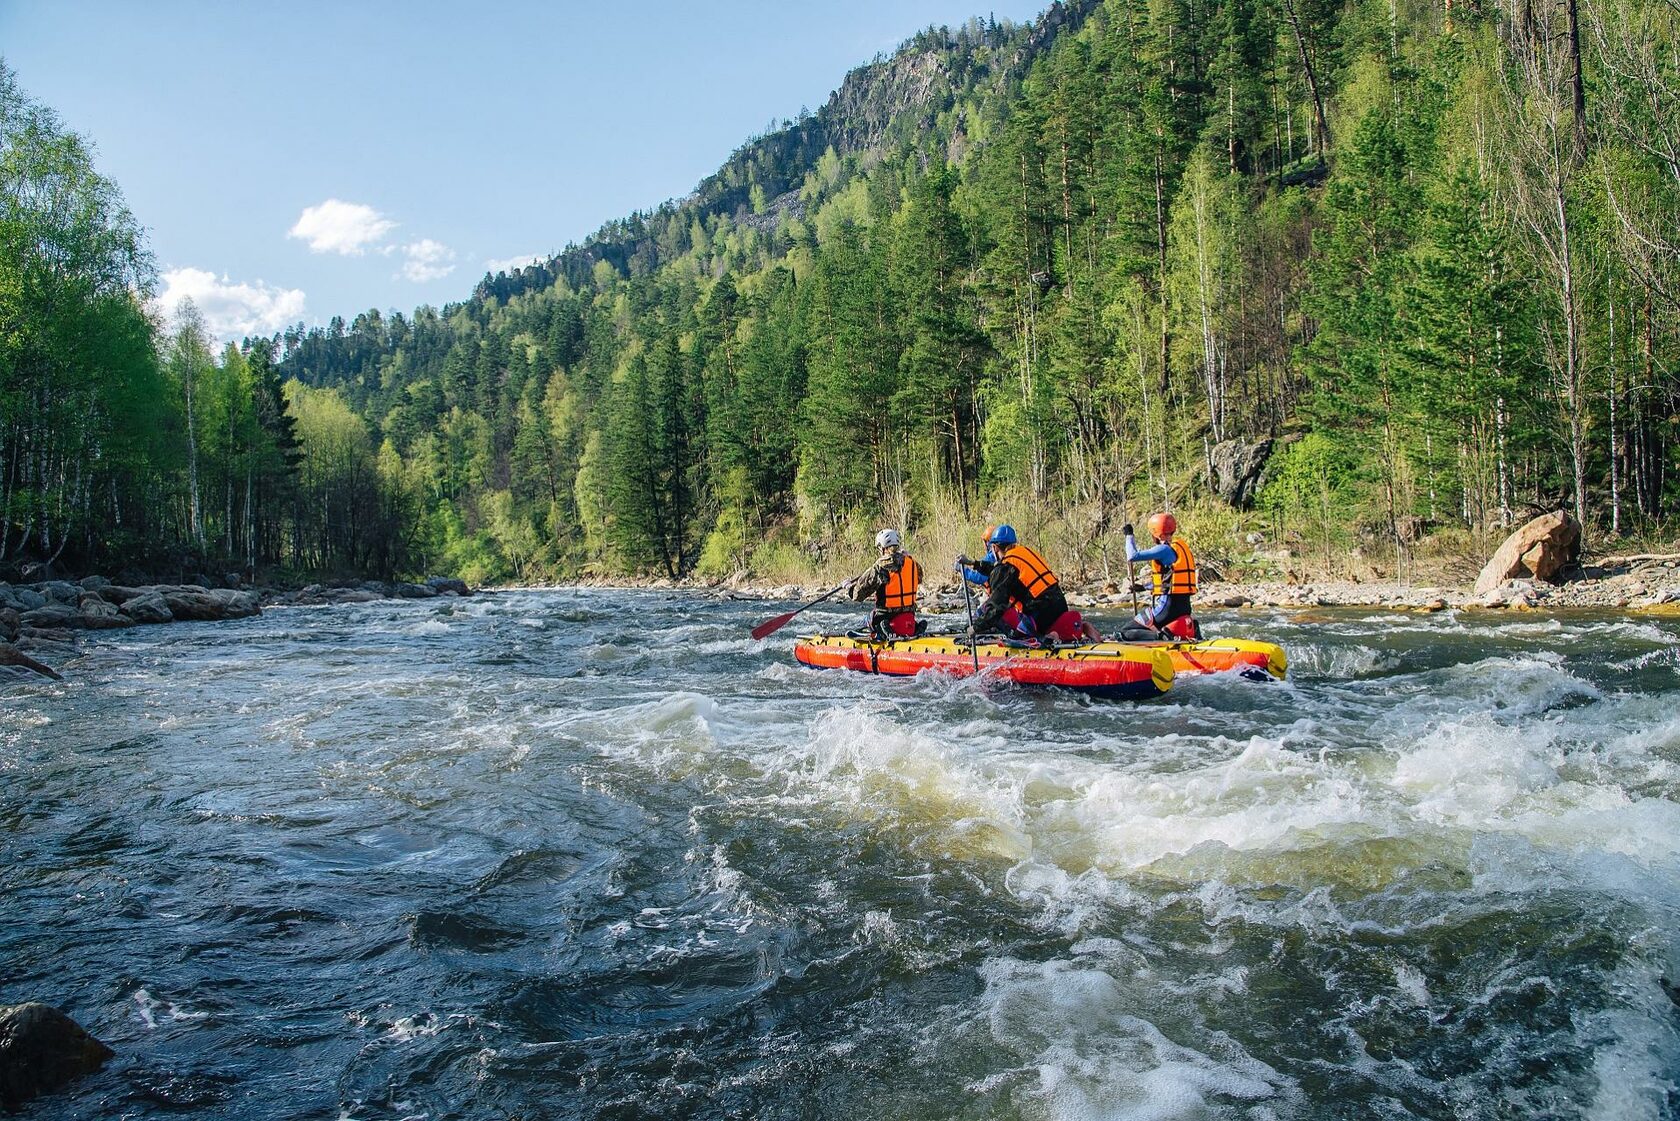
[518,857]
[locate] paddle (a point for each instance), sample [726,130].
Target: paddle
[771,626]
[962,578]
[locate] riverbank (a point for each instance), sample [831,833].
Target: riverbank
[1630,584]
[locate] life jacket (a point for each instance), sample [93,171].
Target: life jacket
[1180,579]
[899,592]
[1036,577]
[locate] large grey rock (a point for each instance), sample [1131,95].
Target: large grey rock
[10,624]
[238,604]
[449,584]
[8,597]
[98,615]
[416,591]
[28,599]
[1539,549]
[192,602]
[51,615]
[94,583]
[42,1049]
[1236,467]
[147,606]
[197,604]
[60,591]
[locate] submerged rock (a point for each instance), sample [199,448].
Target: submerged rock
[42,1049]
[12,656]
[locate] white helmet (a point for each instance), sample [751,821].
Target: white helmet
[887,539]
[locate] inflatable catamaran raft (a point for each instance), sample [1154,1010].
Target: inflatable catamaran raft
[1128,670]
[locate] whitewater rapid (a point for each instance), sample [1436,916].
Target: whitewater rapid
[514,855]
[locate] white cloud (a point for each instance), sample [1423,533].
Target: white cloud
[427,260]
[336,226]
[509,264]
[231,311]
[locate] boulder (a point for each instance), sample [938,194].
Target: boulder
[1236,466]
[147,606]
[27,599]
[238,604]
[50,616]
[98,615]
[1539,549]
[42,1049]
[60,591]
[8,597]
[196,604]
[10,624]
[415,591]
[449,584]
[94,583]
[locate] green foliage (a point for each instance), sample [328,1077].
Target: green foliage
[1031,272]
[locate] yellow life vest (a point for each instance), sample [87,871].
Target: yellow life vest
[1036,577]
[1180,579]
[899,593]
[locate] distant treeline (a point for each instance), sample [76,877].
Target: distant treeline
[1429,253]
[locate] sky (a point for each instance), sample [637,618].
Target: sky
[293,162]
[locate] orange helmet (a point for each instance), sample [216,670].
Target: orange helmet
[1162,526]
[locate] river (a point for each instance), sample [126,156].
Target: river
[589,854]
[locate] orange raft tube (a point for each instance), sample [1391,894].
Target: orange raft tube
[1106,669]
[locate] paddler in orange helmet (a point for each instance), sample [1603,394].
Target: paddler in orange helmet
[1025,596]
[892,583]
[1174,572]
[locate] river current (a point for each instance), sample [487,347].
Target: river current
[588,854]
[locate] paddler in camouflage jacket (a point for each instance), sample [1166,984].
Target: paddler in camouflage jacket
[892,583]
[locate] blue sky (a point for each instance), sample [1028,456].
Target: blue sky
[296,161]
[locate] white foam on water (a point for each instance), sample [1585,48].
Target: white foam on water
[150,1008]
[1637,1066]
[1338,661]
[871,763]
[429,626]
[1083,1054]
[423,1025]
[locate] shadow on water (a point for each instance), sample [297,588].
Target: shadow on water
[509,857]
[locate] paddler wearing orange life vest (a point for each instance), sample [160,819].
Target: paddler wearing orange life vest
[1025,596]
[1174,571]
[892,583]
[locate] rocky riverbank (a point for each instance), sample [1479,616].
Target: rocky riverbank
[40,622]
[1628,584]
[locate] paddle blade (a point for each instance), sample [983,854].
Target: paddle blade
[771,626]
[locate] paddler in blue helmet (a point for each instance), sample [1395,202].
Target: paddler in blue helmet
[1174,571]
[1024,597]
[892,583]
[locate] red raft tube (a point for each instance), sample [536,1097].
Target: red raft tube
[1102,669]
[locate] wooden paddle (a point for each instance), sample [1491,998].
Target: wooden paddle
[771,626]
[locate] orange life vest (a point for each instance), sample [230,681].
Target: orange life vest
[899,592]
[1036,577]
[1180,579]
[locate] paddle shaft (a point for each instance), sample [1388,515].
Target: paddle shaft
[771,626]
[969,604]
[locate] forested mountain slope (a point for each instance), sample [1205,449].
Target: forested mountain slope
[1416,259]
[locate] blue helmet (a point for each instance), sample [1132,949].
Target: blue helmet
[1002,535]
